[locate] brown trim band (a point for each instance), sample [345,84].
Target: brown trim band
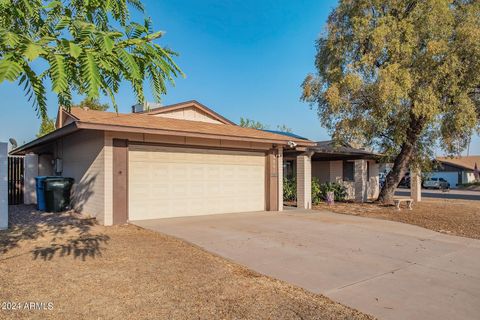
[193,146]
[120,180]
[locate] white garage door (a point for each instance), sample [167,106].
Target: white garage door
[173,182]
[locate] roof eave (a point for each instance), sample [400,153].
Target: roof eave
[133,129]
[70,128]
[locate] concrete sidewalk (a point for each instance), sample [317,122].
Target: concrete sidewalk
[388,269]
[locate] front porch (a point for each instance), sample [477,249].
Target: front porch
[355,169]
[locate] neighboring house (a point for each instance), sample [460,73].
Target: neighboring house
[178,160]
[356,169]
[456,171]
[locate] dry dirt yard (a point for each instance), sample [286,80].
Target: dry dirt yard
[456,217]
[125,272]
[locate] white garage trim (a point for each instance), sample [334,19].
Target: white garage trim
[172,182]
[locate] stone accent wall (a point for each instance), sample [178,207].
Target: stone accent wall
[416,185]
[361,178]
[304,181]
[280,178]
[373,180]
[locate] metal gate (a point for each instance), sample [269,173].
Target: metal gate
[16,167]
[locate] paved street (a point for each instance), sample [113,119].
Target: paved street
[451,194]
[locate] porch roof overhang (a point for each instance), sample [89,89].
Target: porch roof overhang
[327,151]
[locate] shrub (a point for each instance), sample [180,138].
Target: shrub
[319,190]
[316,191]
[289,189]
[339,191]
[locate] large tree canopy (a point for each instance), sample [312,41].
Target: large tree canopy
[82,46]
[401,76]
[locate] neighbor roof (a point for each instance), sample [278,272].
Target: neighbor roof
[288,134]
[467,162]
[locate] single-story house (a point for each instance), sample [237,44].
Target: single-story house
[457,170]
[180,160]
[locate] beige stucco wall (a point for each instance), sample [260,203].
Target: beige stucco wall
[45,166]
[321,170]
[190,113]
[82,154]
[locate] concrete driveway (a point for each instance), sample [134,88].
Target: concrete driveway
[388,269]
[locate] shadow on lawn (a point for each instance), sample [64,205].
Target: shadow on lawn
[63,234]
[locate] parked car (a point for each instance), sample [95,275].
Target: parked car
[436,183]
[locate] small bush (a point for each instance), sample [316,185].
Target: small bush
[338,190]
[319,190]
[316,191]
[289,189]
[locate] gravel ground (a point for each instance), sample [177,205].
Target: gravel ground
[456,217]
[125,272]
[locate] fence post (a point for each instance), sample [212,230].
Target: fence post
[31,171]
[3,185]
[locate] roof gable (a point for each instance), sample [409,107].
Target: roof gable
[465,162]
[189,110]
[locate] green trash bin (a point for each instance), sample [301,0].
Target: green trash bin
[57,193]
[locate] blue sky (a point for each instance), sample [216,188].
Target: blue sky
[242,58]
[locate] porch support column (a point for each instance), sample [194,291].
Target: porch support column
[304,180]
[31,171]
[416,185]
[280,178]
[3,185]
[272,179]
[361,178]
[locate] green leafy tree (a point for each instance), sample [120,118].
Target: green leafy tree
[87,47]
[284,128]
[249,123]
[47,126]
[400,76]
[92,104]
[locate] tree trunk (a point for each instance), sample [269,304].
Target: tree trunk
[402,161]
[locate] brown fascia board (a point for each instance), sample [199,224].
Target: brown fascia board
[63,131]
[108,127]
[185,104]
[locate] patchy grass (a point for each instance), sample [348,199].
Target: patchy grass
[456,217]
[125,272]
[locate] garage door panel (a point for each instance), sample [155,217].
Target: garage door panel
[171,182]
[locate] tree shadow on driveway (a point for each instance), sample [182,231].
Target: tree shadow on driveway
[52,235]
